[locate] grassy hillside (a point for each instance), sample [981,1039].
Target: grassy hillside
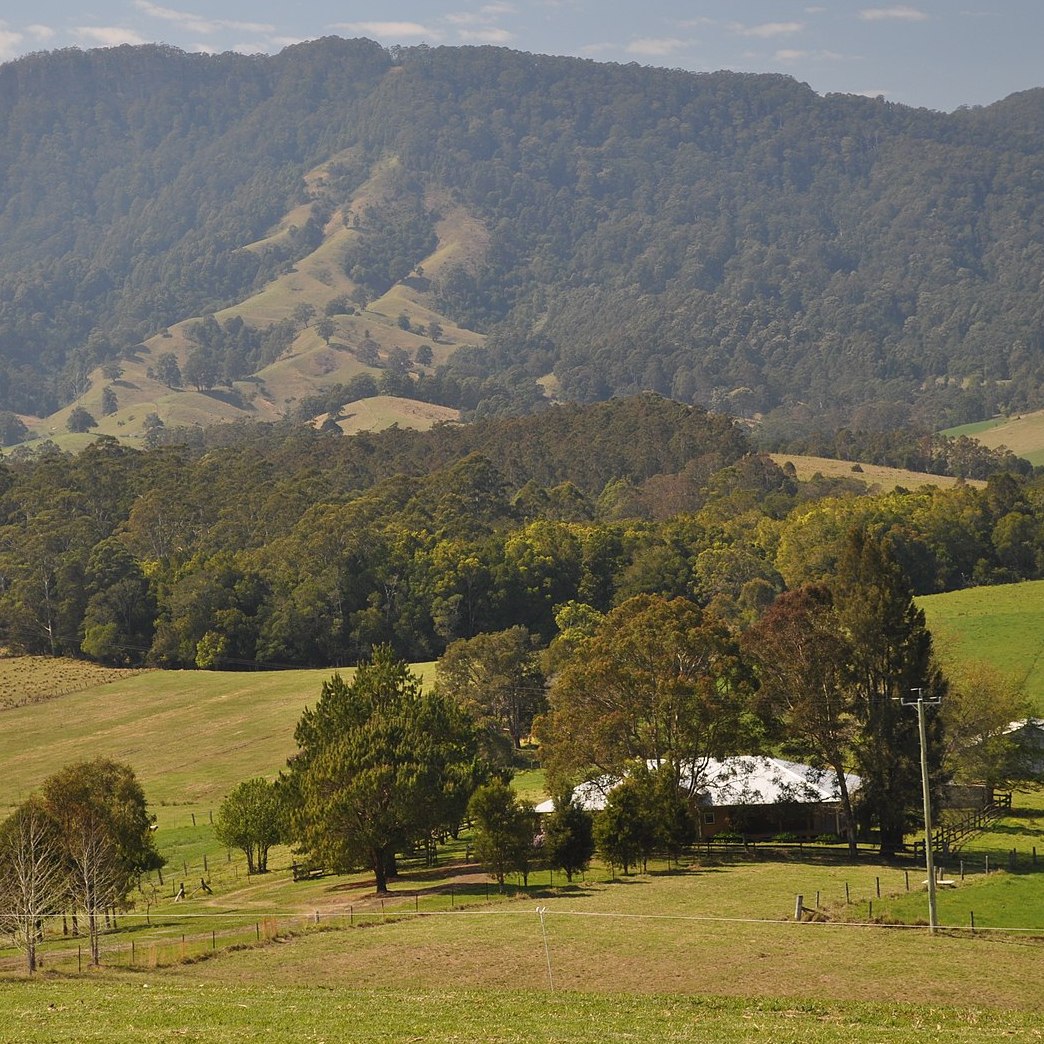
[310,363]
[1002,625]
[877,477]
[189,735]
[34,679]
[1022,434]
[704,952]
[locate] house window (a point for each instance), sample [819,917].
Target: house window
[708,818]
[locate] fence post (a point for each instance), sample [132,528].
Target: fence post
[973,922]
[848,898]
[907,872]
[799,907]
[878,887]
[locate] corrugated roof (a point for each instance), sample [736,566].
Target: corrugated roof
[745,779]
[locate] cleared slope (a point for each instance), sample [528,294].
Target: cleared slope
[1003,625]
[310,363]
[878,478]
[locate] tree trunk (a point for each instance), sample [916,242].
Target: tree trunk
[380,871]
[846,809]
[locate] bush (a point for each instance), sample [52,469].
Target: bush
[80,420]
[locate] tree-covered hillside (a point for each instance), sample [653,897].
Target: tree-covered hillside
[729,240]
[283,545]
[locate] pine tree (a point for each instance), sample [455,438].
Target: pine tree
[890,659]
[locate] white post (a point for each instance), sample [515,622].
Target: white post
[929,862]
[541,910]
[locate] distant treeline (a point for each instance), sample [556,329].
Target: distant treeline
[283,545]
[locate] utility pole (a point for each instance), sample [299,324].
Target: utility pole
[929,855]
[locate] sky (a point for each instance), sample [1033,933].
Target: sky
[939,54]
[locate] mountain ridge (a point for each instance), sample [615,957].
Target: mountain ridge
[730,240]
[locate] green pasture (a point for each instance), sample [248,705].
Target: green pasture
[1003,625]
[189,735]
[1022,434]
[146,1009]
[705,951]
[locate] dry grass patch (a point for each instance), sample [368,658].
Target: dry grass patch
[878,478]
[34,679]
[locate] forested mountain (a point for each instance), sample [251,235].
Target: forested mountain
[734,241]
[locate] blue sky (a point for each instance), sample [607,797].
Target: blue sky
[934,53]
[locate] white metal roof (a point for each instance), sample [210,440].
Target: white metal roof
[745,779]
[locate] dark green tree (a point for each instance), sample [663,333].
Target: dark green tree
[505,828]
[624,831]
[380,764]
[167,370]
[80,420]
[106,835]
[497,678]
[891,660]
[568,836]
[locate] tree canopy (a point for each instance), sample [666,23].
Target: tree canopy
[380,764]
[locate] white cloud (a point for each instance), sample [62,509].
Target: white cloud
[899,13]
[108,35]
[491,35]
[483,16]
[40,32]
[9,41]
[397,29]
[770,29]
[789,55]
[656,47]
[198,23]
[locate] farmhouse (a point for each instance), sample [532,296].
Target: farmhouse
[1028,737]
[758,797]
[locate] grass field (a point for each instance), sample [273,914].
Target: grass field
[877,477]
[33,679]
[706,952]
[189,735]
[1002,625]
[1023,434]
